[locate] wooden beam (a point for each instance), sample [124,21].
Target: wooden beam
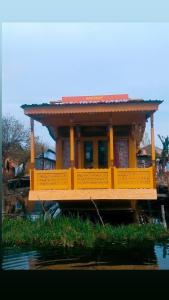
[152,140]
[96,194]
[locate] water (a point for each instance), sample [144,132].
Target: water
[150,257]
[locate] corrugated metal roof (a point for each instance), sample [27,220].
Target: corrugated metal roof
[108,102]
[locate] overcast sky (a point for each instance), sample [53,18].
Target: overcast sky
[45,61]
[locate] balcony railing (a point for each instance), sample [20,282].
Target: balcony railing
[112,178]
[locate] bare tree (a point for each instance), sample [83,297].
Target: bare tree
[15,136]
[145,140]
[16,140]
[165,151]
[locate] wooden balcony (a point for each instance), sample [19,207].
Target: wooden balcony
[98,184]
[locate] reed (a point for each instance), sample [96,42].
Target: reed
[75,232]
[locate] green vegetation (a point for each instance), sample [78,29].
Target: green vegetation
[75,232]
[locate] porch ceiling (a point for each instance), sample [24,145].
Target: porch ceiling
[86,114]
[91,118]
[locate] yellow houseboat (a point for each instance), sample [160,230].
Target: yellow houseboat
[97,139]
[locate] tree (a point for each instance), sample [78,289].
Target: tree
[16,140]
[165,151]
[15,137]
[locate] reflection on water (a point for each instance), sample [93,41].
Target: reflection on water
[148,257]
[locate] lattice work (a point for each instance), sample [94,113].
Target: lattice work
[133,178]
[52,180]
[95,178]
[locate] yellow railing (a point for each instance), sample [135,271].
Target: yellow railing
[92,178]
[64,179]
[133,178]
[52,179]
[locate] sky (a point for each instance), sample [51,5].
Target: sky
[45,61]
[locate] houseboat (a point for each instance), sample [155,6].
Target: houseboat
[97,140]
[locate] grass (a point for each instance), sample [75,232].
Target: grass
[74,232]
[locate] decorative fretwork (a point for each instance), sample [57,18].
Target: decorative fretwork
[133,178]
[52,180]
[94,178]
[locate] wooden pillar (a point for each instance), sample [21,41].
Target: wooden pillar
[32,141]
[111,153]
[111,147]
[72,147]
[32,148]
[72,155]
[132,148]
[58,150]
[79,148]
[152,141]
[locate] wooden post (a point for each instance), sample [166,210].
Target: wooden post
[56,134]
[111,154]
[72,147]
[32,140]
[111,148]
[58,150]
[152,141]
[79,148]
[32,146]
[132,148]
[72,155]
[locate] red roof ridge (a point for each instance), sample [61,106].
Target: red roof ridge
[95,98]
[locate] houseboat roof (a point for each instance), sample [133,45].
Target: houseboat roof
[92,100]
[92,110]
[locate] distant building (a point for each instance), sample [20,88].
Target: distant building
[46,160]
[144,156]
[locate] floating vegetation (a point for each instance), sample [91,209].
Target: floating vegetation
[72,232]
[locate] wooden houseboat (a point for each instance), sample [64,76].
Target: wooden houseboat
[97,139]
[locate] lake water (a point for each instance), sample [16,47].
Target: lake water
[149,257]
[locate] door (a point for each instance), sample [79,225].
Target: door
[95,153]
[88,154]
[102,154]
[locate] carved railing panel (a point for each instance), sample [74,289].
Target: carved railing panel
[52,179]
[92,178]
[133,178]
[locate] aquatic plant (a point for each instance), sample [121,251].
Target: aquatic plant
[75,232]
